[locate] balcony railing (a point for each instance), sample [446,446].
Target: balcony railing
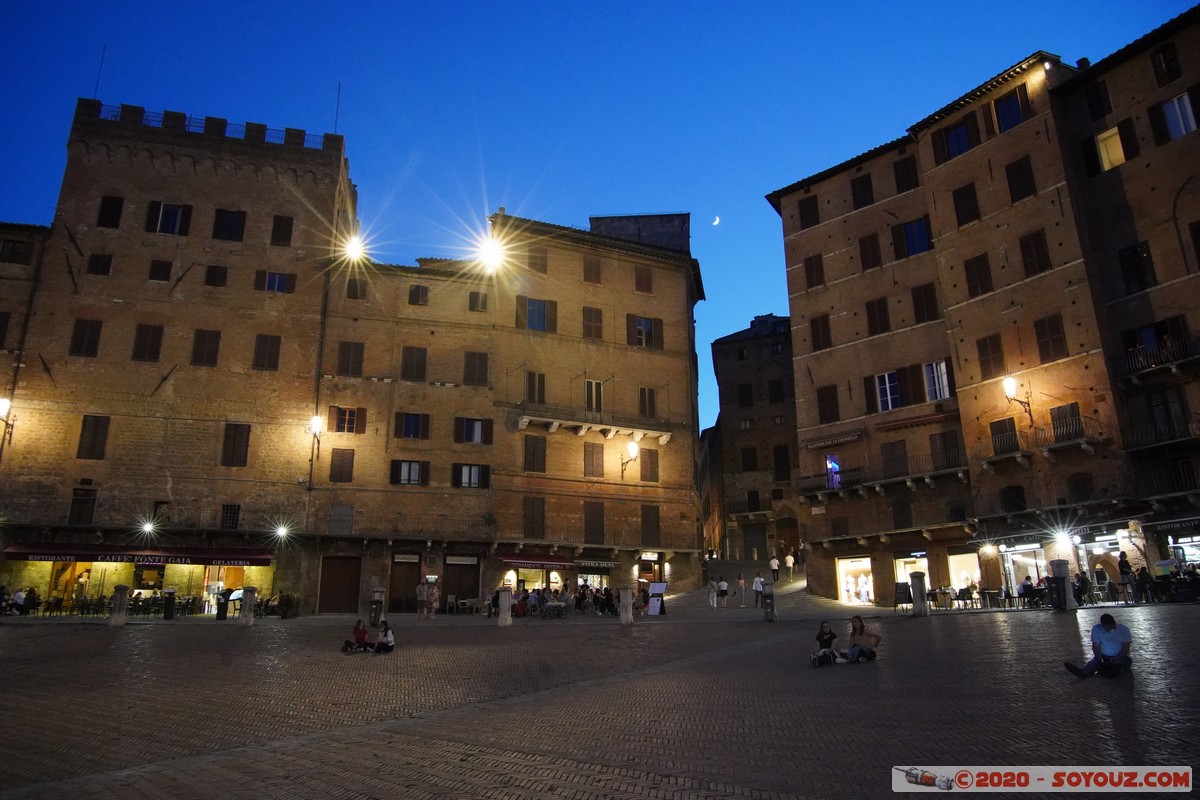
[574,417]
[1056,492]
[1167,354]
[919,465]
[1002,446]
[824,483]
[1063,433]
[1164,431]
[1159,480]
[917,516]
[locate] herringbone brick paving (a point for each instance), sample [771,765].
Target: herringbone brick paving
[699,704]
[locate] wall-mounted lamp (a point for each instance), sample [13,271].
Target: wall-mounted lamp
[316,426]
[9,422]
[632,447]
[1010,392]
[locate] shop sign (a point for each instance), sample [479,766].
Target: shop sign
[833,441]
[462,560]
[405,558]
[597,564]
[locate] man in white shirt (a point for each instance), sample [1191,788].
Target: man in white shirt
[1110,650]
[774,569]
[758,589]
[789,561]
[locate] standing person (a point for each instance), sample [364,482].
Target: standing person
[758,589]
[741,589]
[18,601]
[723,590]
[712,593]
[789,561]
[863,640]
[1110,650]
[386,641]
[422,595]
[432,600]
[1126,570]
[357,640]
[774,569]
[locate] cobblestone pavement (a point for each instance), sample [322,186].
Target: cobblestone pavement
[698,704]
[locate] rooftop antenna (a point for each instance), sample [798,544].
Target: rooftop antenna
[337,106]
[100,69]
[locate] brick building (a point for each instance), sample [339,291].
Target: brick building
[991,324]
[210,394]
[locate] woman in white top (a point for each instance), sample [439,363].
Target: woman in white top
[387,641]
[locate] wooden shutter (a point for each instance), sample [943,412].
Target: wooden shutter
[1129,142]
[487,431]
[260,279]
[657,327]
[551,316]
[456,475]
[899,248]
[397,426]
[631,329]
[949,377]
[988,112]
[240,217]
[869,394]
[1158,124]
[939,147]
[424,426]
[1023,100]
[394,475]
[485,477]
[153,212]
[460,429]
[331,423]
[185,220]
[424,473]
[360,420]
[971,122]
[289,283]
[1091,156]
[522,310]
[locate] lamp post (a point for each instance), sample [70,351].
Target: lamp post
[1010,392]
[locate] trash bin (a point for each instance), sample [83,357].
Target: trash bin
[223,604]
[1058,593]
[768,601]
[169,604]
[374,612]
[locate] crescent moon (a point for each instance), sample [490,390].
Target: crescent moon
[716,220]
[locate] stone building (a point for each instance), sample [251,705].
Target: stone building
[991,319]
[211,393]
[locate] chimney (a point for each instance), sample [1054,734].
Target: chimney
[1083,63]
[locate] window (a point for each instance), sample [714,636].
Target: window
[746,424]
[745,395]
[781,458]
[814,270]
[827,404]
[1098,103]
[991,356]
[475,369]
[742,354]
[833,471]
[868,252]
[1012,109]
[906,174]
[1112,148]
[887,391]
[937,380]
[593,396]
[281,231]
[1174,118]
[535,453]
[966,204]
[1020,179]
[477,301]
[911,238]
[861,192]
[147,342]
[356,289]
[534,518]
[749,459]
[647,406]
[979,275]
[893,457]
[216,275]
[14,251]
[83,507]
[412,363]
[644,332]
[229,226]
[649,464]
[266,352]
[4,320]
[1012,499]
[593,323]
[593,522]
[776,348]
[954,140]
[110,212]
[236,447]
[537,315]
[1004,436]
[1166,64]
[1066,423]
[205,347]
[944,448]
[535,387]
[895,389]
[168,218]
[343,419]
[231,515]
[278,282]
[341,465]
[877,317]
[160,270]
[925,304]
[93,437]
[350,359]
[409,473]
[472,430]
[809,212]
[821,336]
[418,295]
[538,261]
[902,516]
[99,264]
[775,390]
[411,425]
[1081,487]
[1051,341]
[643,280]
[651,526]
[1035,254]
[85,338]
[593,460]
[591,270]
[470,476]
[778,419]
[1137,267]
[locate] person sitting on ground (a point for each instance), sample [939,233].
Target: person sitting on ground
[1110,650]
[825,649]
[357,640]
[386,641]
[863,641]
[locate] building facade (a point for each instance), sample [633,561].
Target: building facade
[991,321]
[210,394]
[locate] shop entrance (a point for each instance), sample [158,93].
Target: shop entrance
[460,580]
[217,580]
[402,589]
[855,583]
[340,579]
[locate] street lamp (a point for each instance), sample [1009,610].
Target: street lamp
[1010,392]
[632,447]
[316,426]
[8,422]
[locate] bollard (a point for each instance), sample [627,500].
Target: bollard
[626,605]
[920,601]
[120,605]
[246,617]
[1060,570]
[768,602]
[504,612]
[169,604]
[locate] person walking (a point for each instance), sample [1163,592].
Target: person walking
[1126,570]
[1110,650]
[712,593]
[789,561]
[723,590]
[741,590]
[432,600]
[774,569]
[758,589]
[422,594]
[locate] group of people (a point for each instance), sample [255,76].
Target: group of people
[720,590]
[359,639]
[21,603]
[428,599]
[863,644]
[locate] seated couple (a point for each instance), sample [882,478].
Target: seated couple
[385,644]
[863,642]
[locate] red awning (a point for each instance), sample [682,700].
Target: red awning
[535,561]
[67,551]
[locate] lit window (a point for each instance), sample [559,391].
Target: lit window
[937,381]
[887,389]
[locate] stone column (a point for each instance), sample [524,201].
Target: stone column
[120,605]
[248,600]
[1060,569]
[626,605]
[920,602]
[504,612]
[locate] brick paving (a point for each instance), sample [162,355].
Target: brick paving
[699,704]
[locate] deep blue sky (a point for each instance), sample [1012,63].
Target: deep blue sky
[555,110]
